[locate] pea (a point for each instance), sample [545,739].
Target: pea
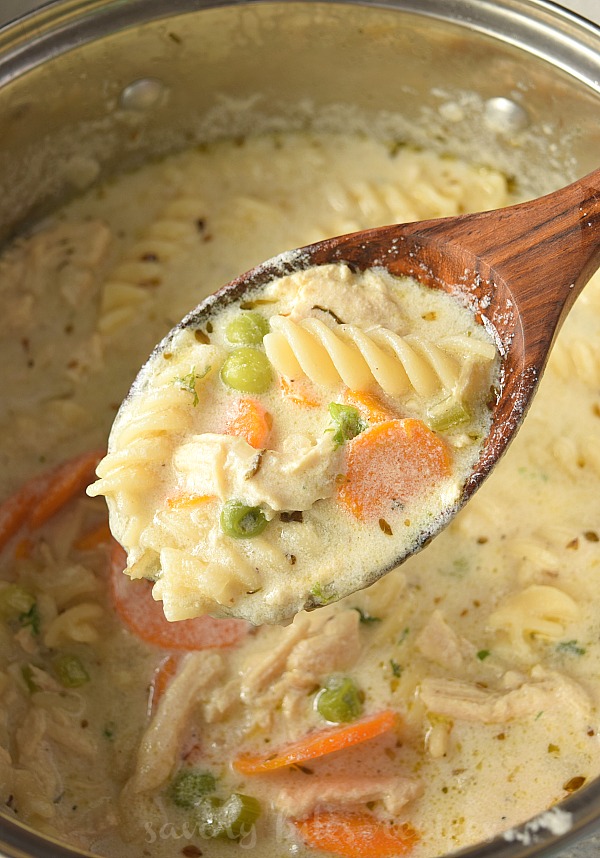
[190,786]
[248,370]
[242,522]
[231,819]
[70,671]
[247,329]
[15,601]
[340,700]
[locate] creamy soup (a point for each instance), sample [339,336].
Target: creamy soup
[451,700]
[338,418]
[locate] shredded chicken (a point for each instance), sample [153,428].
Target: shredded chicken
[312,647]
[521,698]
[295,477]
[159,747]
[304,796]
[440,643]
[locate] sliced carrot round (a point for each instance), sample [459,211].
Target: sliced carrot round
[44,495]
[356,835]
[368,406]
[319,743]
[389,464]
[62,484]
[142,615]
[249,420]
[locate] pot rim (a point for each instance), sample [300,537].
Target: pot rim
[565,39]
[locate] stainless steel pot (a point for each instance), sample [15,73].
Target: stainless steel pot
[89,87]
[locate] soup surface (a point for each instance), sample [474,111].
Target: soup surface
[453,699]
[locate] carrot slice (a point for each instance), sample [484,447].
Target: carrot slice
[368,406]
[143,616]
[94,538]
[356,835]
[297,391]
[188,501]
[66,481]
[389,464]
[319,743]
[44,495]
[14,512]
[249,420]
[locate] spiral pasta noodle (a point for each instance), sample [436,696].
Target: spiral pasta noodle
[142,269]
[330,354]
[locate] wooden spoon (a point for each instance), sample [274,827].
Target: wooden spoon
[519,268]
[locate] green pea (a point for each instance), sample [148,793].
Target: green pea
[70,671]
[348,422]
[247,329]
[340,701]
[240,521]
[231,819]
[15,601]
[190,786]
[248,370]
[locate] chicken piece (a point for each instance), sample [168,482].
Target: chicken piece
[439,643]
[265,667]
[159,747]
[523,698]
[293,478]
[334,648]
[313,646]
[62,258]
[303,797]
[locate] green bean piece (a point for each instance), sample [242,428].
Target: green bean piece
[231,819]
[348,422]
[240,521]
[248,370]
[70,671]
[340,700]
[15,601]
[190,786]
[447,414]
[247,329]
[238,814]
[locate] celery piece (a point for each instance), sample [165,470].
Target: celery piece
[70,671]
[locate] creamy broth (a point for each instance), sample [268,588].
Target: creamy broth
[484,647]
[257,449]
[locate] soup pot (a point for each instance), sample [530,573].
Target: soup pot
[91,87]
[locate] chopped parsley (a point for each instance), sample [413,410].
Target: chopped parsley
[324,593]
[570,647]
[31,619]
[367,619]
[483,654]
[396,668]
[187,382]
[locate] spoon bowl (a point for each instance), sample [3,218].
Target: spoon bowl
[519,269]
